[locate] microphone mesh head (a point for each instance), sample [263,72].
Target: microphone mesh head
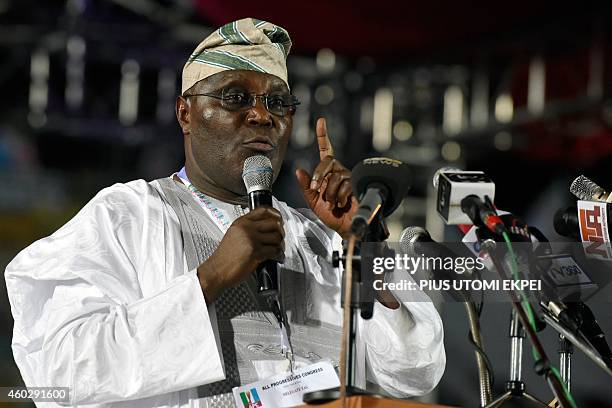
[585,189]
[257,173]
[409,237]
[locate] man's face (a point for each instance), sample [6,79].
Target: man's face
[218,140]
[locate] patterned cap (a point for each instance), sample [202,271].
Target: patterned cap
[250,44]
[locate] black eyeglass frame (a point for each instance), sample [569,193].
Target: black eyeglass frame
[287,107]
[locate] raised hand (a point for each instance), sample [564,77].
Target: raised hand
[329,192]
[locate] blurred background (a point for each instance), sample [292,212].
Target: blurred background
[521,90]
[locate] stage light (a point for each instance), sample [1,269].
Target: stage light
[503,141]
[451,151]
[166,92]
[326,60]
[536,85]
[39,76]
[128,92]
[303,136]
[402,130]
[324,94]
[383,119]
[75,72]
[504,108]
[452,121]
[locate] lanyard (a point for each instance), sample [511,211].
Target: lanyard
[218,215]
[222,220]
[284,336]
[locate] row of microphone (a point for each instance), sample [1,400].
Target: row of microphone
[380,185]
[464,198]
[568,309]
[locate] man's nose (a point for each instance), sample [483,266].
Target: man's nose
[258,115]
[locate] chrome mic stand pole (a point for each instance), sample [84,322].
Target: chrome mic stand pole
[565,360]
[515,387]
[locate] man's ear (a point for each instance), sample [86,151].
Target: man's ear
[183,114]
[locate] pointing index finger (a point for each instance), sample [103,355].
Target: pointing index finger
[325,146]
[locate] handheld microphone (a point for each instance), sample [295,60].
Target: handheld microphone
[257,175]
[585,189]
[381,184]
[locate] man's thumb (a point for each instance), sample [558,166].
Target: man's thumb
[304,181]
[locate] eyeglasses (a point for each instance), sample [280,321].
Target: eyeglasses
[278,105]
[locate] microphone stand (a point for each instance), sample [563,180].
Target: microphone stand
[542,365]
[362,300]
[489,230]
[575,340]
[515,386]
[573,336]
[565,360]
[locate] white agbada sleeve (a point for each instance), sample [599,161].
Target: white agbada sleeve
[404,347]
[106,306]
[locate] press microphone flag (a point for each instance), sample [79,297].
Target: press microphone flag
[594,232]
[588,222]
[593,217]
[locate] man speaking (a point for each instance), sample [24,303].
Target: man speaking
[146,298]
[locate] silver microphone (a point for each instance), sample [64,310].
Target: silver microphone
[257,175]
[587,190]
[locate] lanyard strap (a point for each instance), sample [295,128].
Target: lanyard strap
[284,335]
[219,216]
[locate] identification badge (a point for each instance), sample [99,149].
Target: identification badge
[287,389]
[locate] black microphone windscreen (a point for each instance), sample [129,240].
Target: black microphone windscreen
[566,222]
[392,174]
